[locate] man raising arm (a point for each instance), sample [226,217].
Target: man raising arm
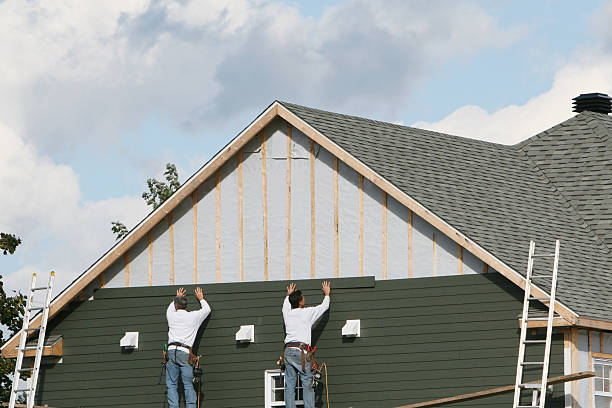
[298,325]
[182,329]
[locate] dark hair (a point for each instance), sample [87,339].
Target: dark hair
[295,298]
[180,302]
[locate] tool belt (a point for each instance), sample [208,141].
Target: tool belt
[192,357]
[303,347]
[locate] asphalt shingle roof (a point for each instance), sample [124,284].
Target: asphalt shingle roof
[555,185]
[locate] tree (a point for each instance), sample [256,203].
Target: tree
[11,315]
[159,191]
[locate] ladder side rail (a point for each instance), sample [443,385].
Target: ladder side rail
[41,342]
[521,353]
[549,326]
[22,342]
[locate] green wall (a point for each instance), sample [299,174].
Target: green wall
[421,339]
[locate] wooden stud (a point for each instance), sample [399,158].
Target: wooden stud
[574,349]
[171,223]
[410,272]
[218,225]
[288,254]
[336,243]
[602,355]
[435,263]
[240,222]
[126,258]
[102,280]
[601,342]
[384,236]
[312,212]
[485,267]
[194,198]
[360,225]
[264,192]
[590,369]
[150,236]
[460,259]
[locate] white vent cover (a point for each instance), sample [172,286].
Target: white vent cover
[352,328]
[129,341]
[246,334]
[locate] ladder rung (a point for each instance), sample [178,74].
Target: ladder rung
[532,363]
[35,308]
[28,348]
[32,328]
[542,276]
[531,385]
[534,341]
[25,370]
[527,406]
[40,288]
[23,390]
[536,319]
[539,298]
[543,255]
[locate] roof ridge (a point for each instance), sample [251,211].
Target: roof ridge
[395,125]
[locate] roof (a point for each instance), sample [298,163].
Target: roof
[555,185]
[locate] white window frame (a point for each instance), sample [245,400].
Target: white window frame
[606,362]
[269,390]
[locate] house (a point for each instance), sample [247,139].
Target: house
[423,235]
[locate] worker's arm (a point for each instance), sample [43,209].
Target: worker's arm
[286,304]
[205,307]
[317,311]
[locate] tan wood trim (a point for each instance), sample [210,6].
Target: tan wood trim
[497,391]
[56,349]
[590,369]
[336,243]
[156,216]
[460,259]
[601,342]
[418,208]
[602,355]
[566,339]
[435,262]
[194,198]
[360,225]
[126,258]
[313,225]
[240,221]
[593,324]
[150,236]
[574,348]
[410,272]
[171,224]
[384,236]
[288,254]
[557,322]
[218,225]
[264,198]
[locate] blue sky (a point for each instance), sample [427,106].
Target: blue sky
[97,98]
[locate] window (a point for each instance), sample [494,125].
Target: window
[275,390]
[603,383]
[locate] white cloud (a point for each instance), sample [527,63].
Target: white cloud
[43,206]
[511,124]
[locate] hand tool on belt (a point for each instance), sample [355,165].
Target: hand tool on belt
[302,346]
[192,357]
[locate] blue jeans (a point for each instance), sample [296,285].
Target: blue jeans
[293,367]
[177,365]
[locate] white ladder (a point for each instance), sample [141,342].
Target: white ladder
[538,389]
[30,388]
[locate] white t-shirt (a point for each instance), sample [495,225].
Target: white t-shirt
[183,325]
[299,321]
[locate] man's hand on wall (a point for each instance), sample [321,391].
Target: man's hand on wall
[181,292]
[326,286]
[290,289]
[199,294]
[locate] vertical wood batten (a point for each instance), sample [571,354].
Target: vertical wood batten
[485,267]
[410,272]
[194,199]
[574,348]
[312,212]
[435,263]
[218,225]
[360,225]
[384,236]
[150,236]
[336,243]
[240,221]
[601,342]
[264,197]
[171,230]
[288,254]
[460,259]
[102,283]
[590,365]
[127,268]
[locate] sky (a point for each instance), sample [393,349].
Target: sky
[96,97]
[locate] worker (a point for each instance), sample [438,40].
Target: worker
[298,324]
[182,329]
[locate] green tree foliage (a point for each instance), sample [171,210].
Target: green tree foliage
[8,243]
[159,191]
[11,312]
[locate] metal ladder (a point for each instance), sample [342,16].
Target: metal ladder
[30,388]
[538,389]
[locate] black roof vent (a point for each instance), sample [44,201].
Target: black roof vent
[593,102]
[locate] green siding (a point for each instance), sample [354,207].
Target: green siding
[421,339]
